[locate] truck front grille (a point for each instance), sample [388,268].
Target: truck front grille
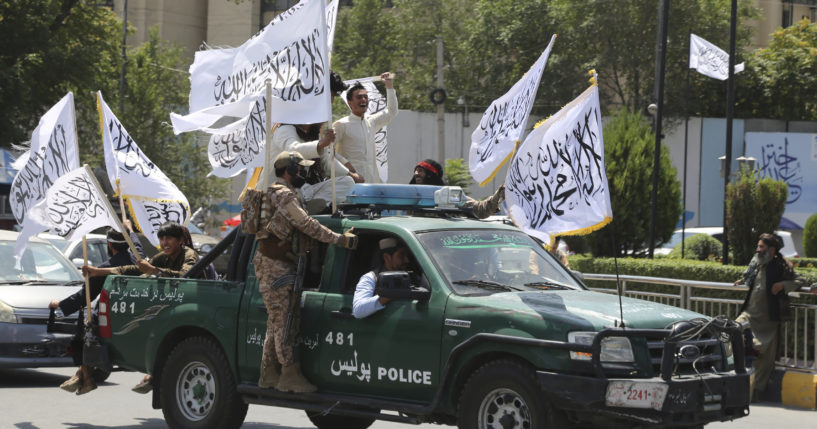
[691,356]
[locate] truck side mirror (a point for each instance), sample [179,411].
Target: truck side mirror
[397,285]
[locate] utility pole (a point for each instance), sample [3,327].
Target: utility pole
[660,67]
[121,111]
[441,106]
[730,111]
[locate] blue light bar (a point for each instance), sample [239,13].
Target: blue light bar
[393,195]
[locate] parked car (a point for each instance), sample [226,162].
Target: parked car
[789,251]
[97,248]
[45,274]
[203,244]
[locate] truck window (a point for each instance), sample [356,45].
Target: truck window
[480,262]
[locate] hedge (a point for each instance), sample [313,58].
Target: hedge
[682,269]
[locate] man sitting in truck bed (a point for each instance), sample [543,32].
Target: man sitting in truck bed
[174,260]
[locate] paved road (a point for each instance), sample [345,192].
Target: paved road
[30,399]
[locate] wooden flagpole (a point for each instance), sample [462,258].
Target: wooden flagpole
[110,209]
[87,281]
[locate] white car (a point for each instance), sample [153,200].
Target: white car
[788,250]
[45,274]
[97,248]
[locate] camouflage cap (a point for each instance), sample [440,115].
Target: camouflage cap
[282,160]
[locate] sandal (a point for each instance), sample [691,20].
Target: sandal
[143,387]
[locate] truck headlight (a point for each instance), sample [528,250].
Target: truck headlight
[613,349]
[7,313]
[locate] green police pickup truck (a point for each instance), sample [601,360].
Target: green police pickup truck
[489,331]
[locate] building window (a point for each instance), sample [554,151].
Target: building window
[277,5]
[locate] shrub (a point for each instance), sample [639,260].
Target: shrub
[701,247]
[810,237]
[753,207]
[629,146]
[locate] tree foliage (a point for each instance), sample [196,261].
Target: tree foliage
[156,85]
[457,173]
[752,207]
[51,47]
[781,81]
[628,150]
[810,237]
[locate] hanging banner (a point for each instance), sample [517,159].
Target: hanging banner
[53,152]
[377,103]
[792,158]
[708,59]
[493,142]
[151,197]
[72,207]
[290,52]
[557,183]
[239,146]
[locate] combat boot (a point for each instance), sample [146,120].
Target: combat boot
[293,381]
[270,374]
[74,383]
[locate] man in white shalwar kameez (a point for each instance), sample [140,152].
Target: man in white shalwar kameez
[355,133]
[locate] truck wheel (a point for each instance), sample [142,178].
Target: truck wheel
[100,374]
[197,388]
[330,421]
[502,394]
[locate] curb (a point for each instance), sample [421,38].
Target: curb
[792,388]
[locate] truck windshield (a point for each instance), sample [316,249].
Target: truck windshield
[479,262]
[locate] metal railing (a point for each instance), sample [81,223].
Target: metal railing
[799,337]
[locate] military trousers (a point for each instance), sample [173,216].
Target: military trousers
[278,302]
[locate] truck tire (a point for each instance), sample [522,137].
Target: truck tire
[100,374]
[197,388]
[330,421]
[501,394]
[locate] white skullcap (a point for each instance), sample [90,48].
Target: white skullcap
[387,243]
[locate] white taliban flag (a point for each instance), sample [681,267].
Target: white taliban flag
[331,21]
[556,183]
[240,145]
[377,103]
[151,197]
[53,152]
[502,125]
[290,52]
[73,206]
[709,59]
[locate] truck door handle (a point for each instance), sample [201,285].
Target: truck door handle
[337,314]
[262,308]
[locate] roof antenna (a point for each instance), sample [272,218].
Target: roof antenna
[618,280]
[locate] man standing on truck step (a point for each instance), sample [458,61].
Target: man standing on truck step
[286,232]
[174,260]
[83,382]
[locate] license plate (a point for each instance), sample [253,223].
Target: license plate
[633,394]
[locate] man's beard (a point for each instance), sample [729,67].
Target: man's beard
[298,181]
[764,257]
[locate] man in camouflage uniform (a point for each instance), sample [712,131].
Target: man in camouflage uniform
[285,232]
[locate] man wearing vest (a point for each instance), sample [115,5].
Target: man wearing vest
[285,232]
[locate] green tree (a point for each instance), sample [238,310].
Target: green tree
[752,207]
[51,47]
[810,237]
[157,85]
[457,173]
[781,81]
[618,39]
[628,151]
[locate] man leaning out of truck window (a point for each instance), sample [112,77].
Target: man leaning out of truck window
[394,257]
[174,260]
